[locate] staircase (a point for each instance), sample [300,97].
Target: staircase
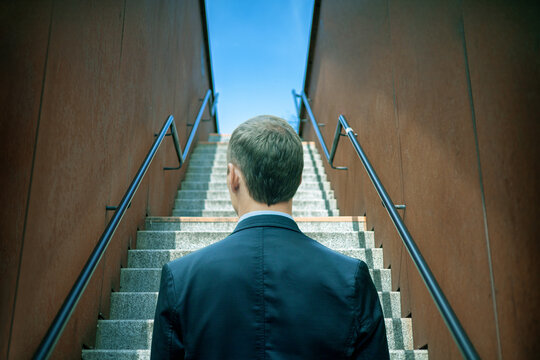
[203,215]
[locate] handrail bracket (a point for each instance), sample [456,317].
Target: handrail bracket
[335,143]
[179,155]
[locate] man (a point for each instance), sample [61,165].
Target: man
[267,291]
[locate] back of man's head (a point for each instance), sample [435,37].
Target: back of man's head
[270,156]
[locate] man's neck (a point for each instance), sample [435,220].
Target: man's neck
[249,206]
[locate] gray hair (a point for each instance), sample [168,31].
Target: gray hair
[270,155]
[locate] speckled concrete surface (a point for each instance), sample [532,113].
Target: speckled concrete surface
[142,305]
[137,334]
[147,279]
[145,354]
[224,194]
[147,239]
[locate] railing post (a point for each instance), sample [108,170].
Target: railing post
[304,99]
[335,143]
[315,125]
[297,106]
[196,125]
[214,105]
[176,143]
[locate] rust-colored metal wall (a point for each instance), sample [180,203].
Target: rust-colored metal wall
[444,97]
[85,87]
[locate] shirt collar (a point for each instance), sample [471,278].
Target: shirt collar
[263,212]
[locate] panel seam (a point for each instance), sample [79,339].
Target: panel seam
[122,36]
[398,132]
[481,183]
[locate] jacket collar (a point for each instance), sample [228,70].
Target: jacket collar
[267,221]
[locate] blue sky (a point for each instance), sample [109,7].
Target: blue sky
[258,50]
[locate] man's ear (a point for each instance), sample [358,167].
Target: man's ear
[233,177]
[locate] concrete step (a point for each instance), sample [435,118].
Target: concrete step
[137,334]
[222,185]
[399,333]
[145,354]
[222,170]
[308,157]
[209,204]
[231,213]
[219,137]
[409,355]
[217,172]
[210,160]
[223,177]
[221,155]
[325,224]
[142,305]
[224,195]
[202,147]
[222,146]
[147,279]
[157,258]
[124,334]
[192,240]
[110,354]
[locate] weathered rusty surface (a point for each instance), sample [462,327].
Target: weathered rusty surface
[24,32]
[398,72]
[440,174]
[503,51]
[114,71]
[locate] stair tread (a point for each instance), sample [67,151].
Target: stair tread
[137,334]
[143,354]
[373,257]
[142,305]
[147,279]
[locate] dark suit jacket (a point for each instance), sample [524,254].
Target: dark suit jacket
[267,291]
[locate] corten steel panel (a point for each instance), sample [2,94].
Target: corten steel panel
[112,80]
[504,59]
[65,214]
[440,173]
[24,31]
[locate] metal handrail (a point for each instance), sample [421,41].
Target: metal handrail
[456,329]
[55,330]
